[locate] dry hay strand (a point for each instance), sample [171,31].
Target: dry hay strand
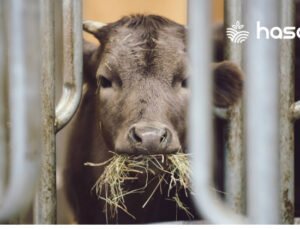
[173,170]
[180,205]
[179,168]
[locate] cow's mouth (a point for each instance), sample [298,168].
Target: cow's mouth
[140,153]
[123,170]
[151,164]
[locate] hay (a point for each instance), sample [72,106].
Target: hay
[179,168]
[173,170]
[180,205]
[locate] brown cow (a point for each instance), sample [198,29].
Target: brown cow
[135,102]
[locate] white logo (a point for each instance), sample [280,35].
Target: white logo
[288,32]
[236,34]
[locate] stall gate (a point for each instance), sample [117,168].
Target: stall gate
[28,158]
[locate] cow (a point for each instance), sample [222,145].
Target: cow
[135,99]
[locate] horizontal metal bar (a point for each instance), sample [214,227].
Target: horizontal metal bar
[72,51]
[262,113]
[200,116]
[24,105]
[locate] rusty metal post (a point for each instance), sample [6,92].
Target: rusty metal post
[200,116]
[287,71]
[45,202]
[262,113]
[24,105]
[72,39]
[235,182]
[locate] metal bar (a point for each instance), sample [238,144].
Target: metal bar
[235,182]
[287,71]
[72,39]
[45,202]
[3,111]
[200,116]
[24,105]
[262,113]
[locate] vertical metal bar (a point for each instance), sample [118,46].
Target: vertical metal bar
[45,203]
[3,111]
[235,182]
[200,116]
[287,71]
[262,113]
[72,39]
[24,105]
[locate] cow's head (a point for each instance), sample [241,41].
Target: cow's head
[141,71]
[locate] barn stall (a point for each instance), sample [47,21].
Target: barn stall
[259,148]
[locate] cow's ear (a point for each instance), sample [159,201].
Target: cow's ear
[93,27]
[228,84]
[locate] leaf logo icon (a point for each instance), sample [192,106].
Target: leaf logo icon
[236,34]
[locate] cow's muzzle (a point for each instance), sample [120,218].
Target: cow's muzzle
[150,138]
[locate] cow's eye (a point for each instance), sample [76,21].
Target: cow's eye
[184,83]
[104,82]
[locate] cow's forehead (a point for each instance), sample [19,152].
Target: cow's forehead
[131,38]
[138,50]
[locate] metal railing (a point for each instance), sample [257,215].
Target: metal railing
[268,123]
[30,124]
[54,119]
[287,97]
[3,129]
[235,182]
[22,113]
[262,99]
[27,77]
[45,200]
[200,129]
[72,34]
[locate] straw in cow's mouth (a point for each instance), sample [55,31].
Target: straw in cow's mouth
[173,170]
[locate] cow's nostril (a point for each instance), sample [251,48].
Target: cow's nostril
[134,137]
